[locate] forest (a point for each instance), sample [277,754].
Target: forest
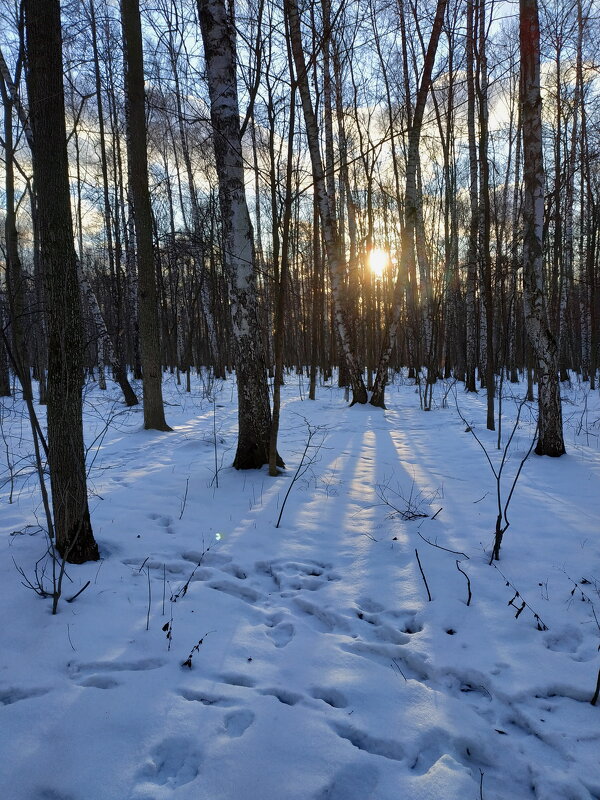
[299,335]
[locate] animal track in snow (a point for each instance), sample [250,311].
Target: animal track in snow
[285,697]
[329,621]
[295,576]
[241,592]
[281,634]
[139,567]
[237,679]
[381,631]
[237,572]
[174,762]
[238,722]
[571,642]
[99,682]
[352,782]
[14,695]
[194,695]
[370,606]
[387,748]
[144,664]
[206,557]
[333,697]
[386,655]
[165,521]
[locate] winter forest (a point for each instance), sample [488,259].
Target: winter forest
[299,414]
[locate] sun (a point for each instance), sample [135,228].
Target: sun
[378,261]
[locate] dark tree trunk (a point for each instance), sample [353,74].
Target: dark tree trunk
[66,455]
[137,159]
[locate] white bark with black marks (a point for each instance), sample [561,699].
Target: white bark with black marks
[254,412]
[550,437]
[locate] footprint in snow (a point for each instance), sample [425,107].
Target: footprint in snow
[173,762]
[164,521]
[281,634]
[571,642]
[206,557]
[207,699]
[295,576]
[387,655]
[99,682]
[91,667]
[333,697]
[238,722]
[352,782]
[381,631]
[14,695]
[237,679]
[370,606]
[326,620]
[241,592]
[285,697]
[387,748]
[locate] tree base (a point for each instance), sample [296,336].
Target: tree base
[378,399]
[253,457]
[80,546]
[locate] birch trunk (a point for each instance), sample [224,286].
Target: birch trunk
[254,412]
[550,433]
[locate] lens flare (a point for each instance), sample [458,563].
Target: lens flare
[378,261]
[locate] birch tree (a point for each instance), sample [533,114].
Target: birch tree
[254,411]
[550,433]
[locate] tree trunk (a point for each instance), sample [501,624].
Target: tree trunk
[254,412]
[137,159]
[326,212]
[410,206]
[550,434]
[66,455]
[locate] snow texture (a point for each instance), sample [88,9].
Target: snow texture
[317,669]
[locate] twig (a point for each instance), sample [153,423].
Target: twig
[149,600]
[594,699]
[397,666]
[75,596]
[541,626]
[423,574]
[69,635]
[468,581]
[216,475]
[183,590]
[305,462]
[195,649]
[439,546]
[184,501]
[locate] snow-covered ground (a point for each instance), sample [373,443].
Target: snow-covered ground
[317,668]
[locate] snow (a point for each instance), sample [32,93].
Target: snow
[322,671]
